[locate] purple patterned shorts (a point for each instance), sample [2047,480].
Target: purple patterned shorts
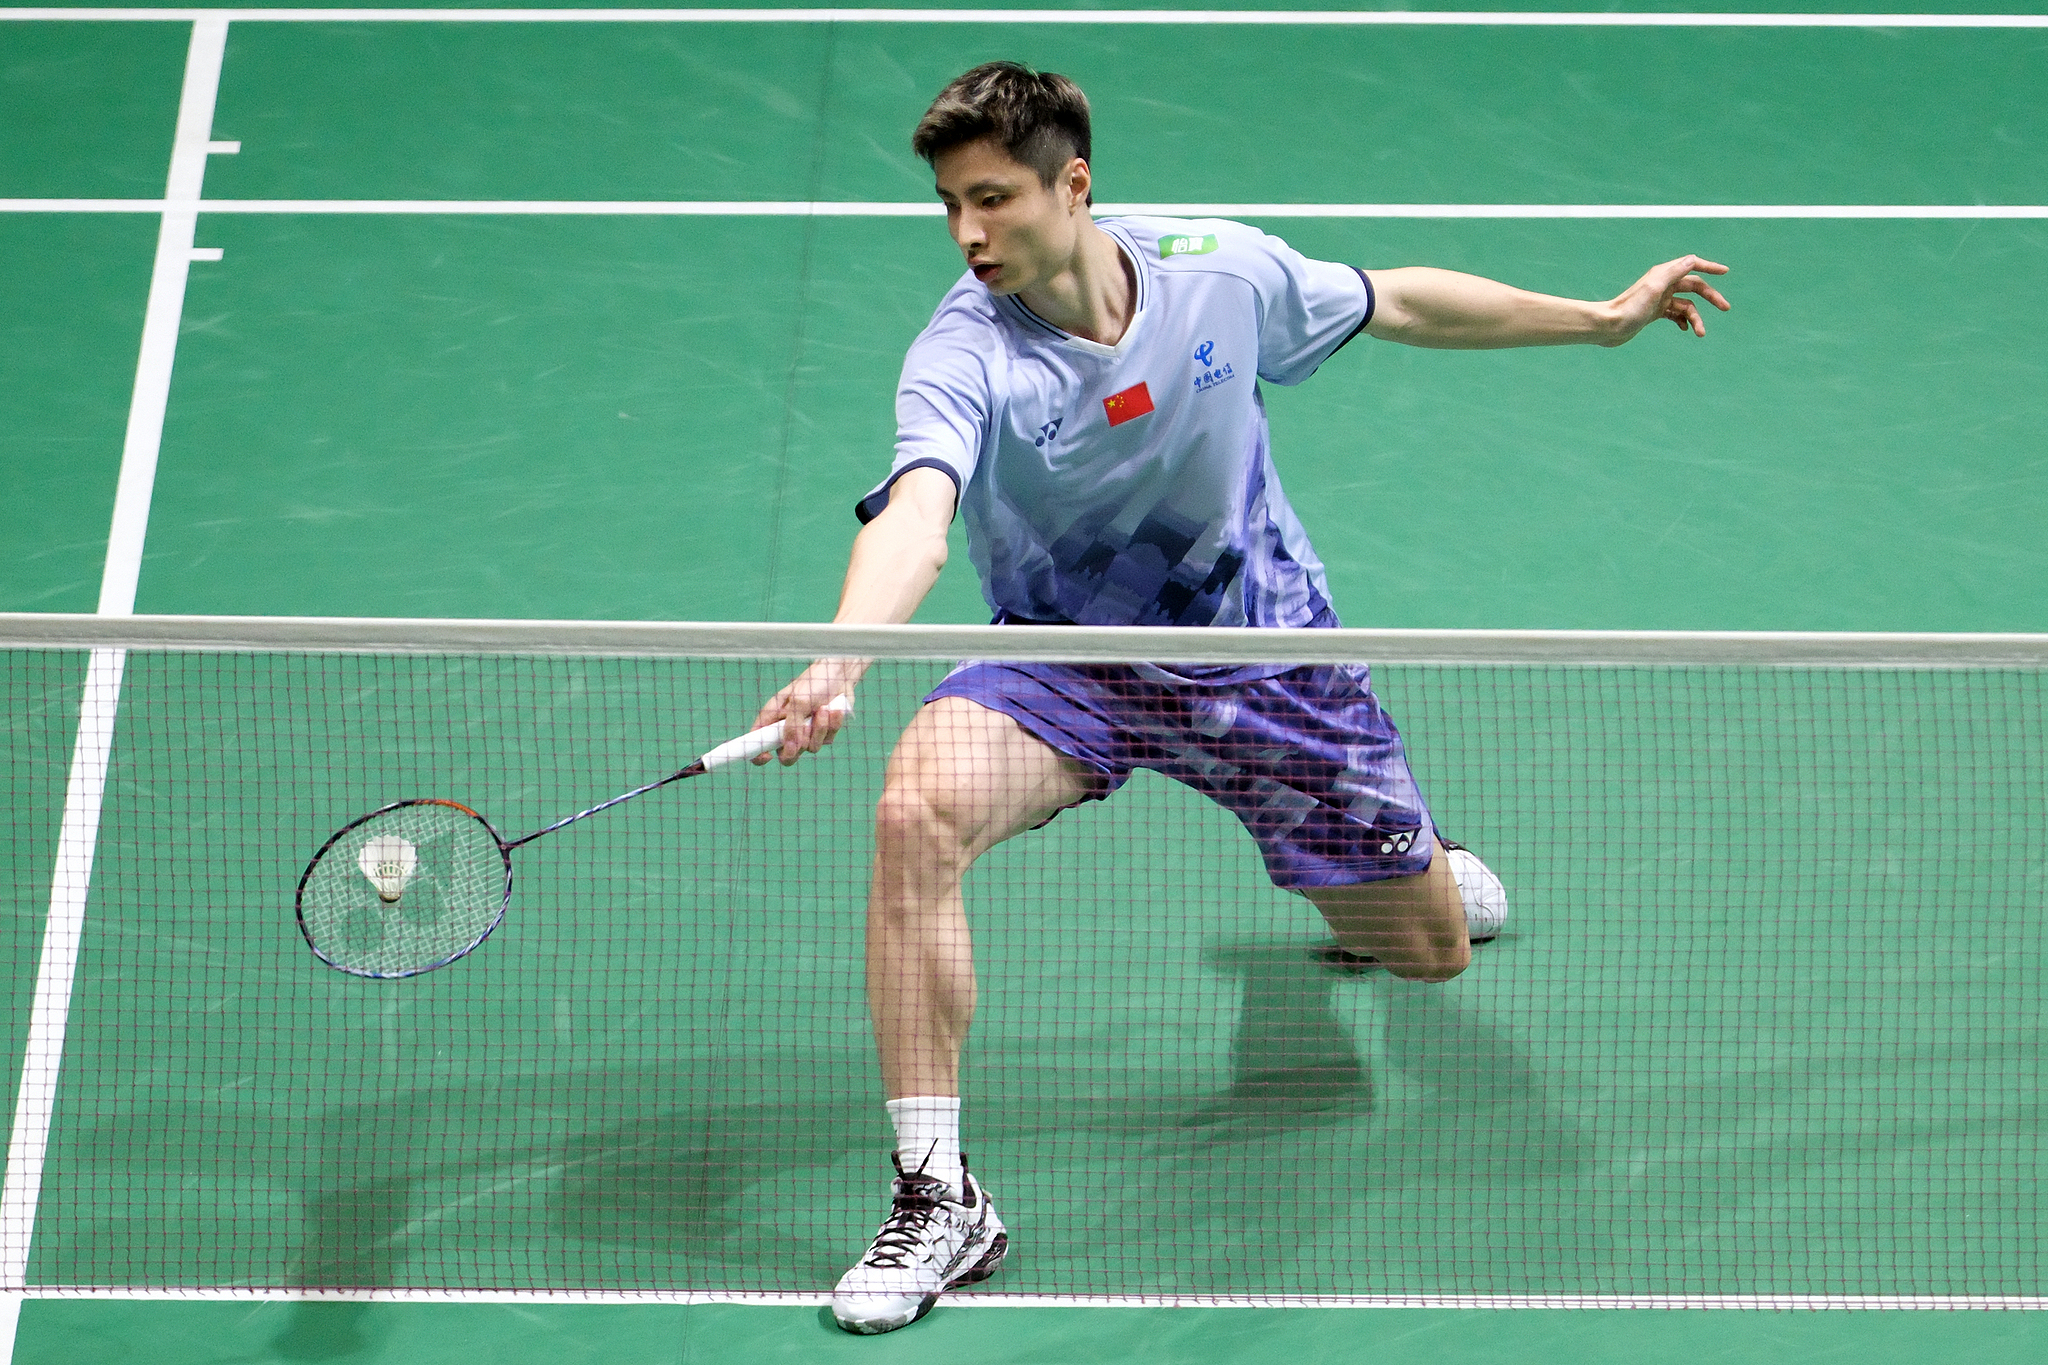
[1307,760]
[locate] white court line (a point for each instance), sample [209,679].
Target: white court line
[758,1298]
[63,930]
[1275,18]
[797,208]
[166,309]
[1582,210]
[78,835]
[81,206]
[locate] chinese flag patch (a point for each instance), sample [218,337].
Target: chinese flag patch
[1135,401]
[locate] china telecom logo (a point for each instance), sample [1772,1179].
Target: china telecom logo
[1211,374]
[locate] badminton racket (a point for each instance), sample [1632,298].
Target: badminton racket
[419,884]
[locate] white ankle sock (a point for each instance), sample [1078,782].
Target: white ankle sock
[928,1136]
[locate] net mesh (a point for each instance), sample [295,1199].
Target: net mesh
[1764,1019]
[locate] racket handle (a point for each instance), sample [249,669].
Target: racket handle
[757,742]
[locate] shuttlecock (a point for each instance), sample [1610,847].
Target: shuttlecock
[388,861]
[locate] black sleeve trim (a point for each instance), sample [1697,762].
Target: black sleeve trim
[1372,300]
[870,507]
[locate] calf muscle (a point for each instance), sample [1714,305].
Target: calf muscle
[962,780]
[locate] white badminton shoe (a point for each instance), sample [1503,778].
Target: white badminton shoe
[1486,900]
[934,1240]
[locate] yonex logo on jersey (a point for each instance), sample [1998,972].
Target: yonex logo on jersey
[1048,431]
[1135,401]
[1399,842]
[1185,246]
[1211,374]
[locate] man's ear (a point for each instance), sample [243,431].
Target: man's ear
[1078,183]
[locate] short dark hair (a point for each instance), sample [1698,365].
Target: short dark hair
[1040,119]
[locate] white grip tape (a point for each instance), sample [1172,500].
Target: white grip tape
[757,742]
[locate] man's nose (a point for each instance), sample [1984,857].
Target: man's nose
[968,233]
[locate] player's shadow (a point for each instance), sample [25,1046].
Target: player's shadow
[670,1186]
[321,1331]
[1293,1062]
[1475,1084]
[639,1198]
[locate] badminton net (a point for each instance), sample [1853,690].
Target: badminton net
[1763,1023]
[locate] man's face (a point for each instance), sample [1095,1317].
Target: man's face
[1014,232]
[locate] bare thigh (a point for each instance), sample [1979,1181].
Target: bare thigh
[964,778]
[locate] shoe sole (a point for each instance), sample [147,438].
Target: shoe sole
[991,1261]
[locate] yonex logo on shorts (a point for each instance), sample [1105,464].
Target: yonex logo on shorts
[1185,246]
[1398,843]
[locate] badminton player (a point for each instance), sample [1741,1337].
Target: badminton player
[1087,397]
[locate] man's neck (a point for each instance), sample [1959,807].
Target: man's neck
[1094,297]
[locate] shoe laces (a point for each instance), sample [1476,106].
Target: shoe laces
[903,1233]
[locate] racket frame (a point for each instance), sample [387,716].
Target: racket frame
[748,746]
[504,900]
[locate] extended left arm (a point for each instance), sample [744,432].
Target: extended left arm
[1422,306]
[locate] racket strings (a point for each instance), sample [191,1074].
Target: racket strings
[453,895]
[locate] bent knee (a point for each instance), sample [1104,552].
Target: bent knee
[931,822]
[908,814]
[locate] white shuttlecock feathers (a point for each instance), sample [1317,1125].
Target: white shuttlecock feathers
[389,862]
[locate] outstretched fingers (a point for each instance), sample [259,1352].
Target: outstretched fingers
[1686,314]
[1693,284]
[1686,276]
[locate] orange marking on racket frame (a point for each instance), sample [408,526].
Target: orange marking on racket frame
[442,801]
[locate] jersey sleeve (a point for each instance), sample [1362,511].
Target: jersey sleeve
[943,404]
[1307,309]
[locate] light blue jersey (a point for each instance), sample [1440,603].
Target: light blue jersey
[1132,484]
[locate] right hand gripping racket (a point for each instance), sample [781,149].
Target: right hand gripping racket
[417,884]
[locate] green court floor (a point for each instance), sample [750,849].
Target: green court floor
[1765,1021]
[205,1334]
